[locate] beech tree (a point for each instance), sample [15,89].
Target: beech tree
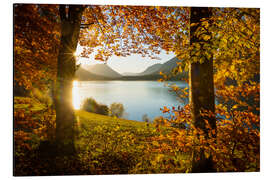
[230,38]
[36,42]
[70,28]
[201,82]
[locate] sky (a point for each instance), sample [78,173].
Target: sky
[133,63]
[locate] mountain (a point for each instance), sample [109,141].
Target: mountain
[84,75]
[105,72]
[168,66]
[156,68]
[151,70]
[102,70]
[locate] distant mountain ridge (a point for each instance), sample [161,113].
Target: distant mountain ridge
[168,66]
[84,75]
[148,71]
[102,70]
[151,69]
[155,69]
[105,72]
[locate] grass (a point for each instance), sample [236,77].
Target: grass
[111,145]
[104,145]
[91,120]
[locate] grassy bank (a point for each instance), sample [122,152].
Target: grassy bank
[104,145]
[111,145]
[108,145]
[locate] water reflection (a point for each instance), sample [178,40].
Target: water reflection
[76,99]
[138,97]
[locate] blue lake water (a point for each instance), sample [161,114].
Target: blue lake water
[138,97]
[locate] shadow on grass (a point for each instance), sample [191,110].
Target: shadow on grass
[48,160]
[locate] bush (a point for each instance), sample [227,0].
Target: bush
[160,120]
[117,109]
[90,105]
[103,109]
[145,118]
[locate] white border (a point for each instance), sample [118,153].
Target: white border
[208,3]
[6,88]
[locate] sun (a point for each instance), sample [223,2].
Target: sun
[75,54]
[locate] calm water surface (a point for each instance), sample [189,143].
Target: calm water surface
[138,97]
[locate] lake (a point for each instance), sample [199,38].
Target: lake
[138,97]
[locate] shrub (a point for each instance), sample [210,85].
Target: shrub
[103,109]
[145,118]
[91,105]
[160,120]
[117,109]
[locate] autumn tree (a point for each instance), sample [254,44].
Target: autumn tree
[36,41]
[231,39]
[70,28]
[37,32]
[223,42]
[237,32]
[201,80]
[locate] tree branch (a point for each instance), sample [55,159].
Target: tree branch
[98,23]
[86,25]
[100,27]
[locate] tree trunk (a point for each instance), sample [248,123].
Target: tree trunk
[65,120]
[201,88]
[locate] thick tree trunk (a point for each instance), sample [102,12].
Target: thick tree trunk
[201,89]
[65,120]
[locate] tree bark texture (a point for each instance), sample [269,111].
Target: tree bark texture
[201,89]
[65,119]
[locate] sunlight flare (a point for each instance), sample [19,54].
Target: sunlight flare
[76,100]
[75,53]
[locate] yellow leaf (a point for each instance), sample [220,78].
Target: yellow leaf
[159,156]
[155,143]
[206,37]
[207,155]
